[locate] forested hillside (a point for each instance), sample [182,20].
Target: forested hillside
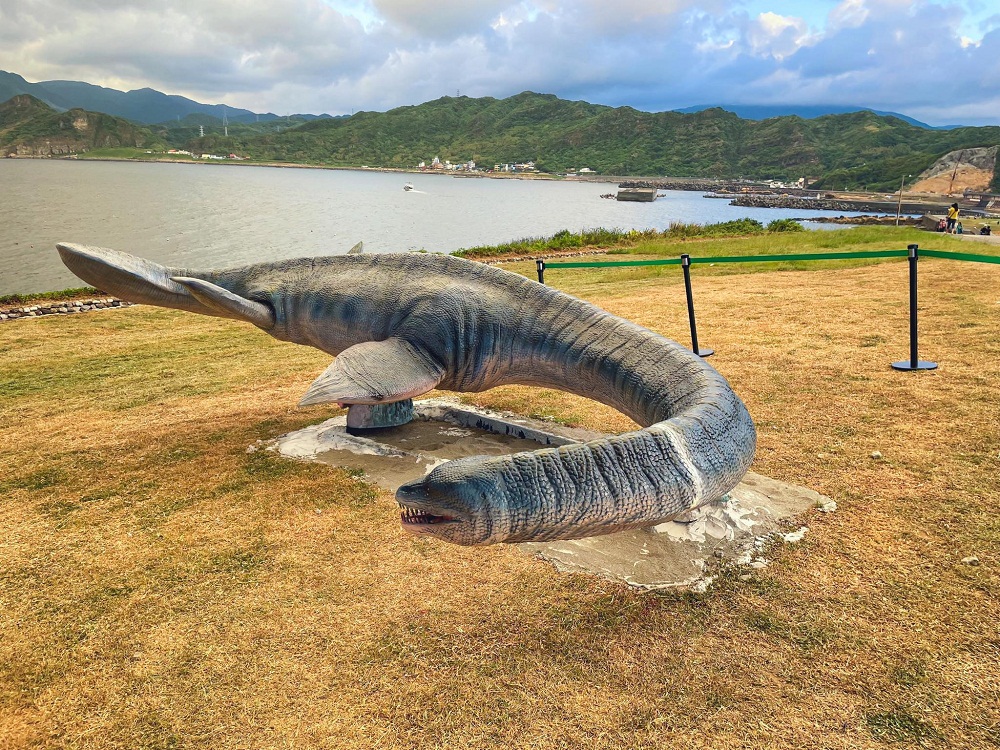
[847,151]
[843,151]
[29,127]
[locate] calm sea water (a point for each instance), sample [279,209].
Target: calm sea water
[215,216]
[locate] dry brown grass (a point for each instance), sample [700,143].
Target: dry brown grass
[161,587]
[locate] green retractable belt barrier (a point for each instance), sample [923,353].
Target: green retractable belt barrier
[686,261]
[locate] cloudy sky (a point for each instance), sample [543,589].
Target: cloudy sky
[936,60]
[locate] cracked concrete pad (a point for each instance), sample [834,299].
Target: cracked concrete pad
[683,553]
[679,553]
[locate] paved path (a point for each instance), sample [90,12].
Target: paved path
[989,239]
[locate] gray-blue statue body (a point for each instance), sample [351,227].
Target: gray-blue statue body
[403,324]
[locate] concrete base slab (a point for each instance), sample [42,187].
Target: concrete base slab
[680,553]
[684,553]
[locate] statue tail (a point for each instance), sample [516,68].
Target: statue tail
[145,282]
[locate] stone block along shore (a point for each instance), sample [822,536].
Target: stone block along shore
[60,307]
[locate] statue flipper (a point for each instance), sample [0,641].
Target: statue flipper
[375,372]
[225,304]
[126,276]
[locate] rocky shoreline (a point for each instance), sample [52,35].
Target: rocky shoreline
[761,200]
[60,307]
[907,221]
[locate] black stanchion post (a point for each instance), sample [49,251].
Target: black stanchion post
[914,363]
[686,266]
[540,266]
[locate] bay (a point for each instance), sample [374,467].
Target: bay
[213,216]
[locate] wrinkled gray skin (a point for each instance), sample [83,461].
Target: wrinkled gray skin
[401,325]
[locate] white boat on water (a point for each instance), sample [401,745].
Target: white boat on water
[408,187]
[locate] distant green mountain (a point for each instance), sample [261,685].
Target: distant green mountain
[29,127]
[806,112]
[860,149]
[12,85]
[147,106]
[182,131]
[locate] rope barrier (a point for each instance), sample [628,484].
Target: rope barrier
[735,259]
[610,263]
[686,261]
[861,254]
[802,256]
[961,256]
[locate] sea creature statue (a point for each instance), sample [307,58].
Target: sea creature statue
[403,324]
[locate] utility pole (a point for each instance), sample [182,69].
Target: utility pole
[958,161]
[899,204]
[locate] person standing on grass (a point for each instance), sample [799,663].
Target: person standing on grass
[952,218]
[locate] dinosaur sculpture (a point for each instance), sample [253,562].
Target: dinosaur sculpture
[403,324]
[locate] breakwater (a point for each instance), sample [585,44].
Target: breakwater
[693,185]
[762,200]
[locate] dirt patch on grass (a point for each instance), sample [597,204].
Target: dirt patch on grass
[162,587]
[955,182]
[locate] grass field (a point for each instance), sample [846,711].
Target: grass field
[161,587]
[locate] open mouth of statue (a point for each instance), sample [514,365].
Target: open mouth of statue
[414,517]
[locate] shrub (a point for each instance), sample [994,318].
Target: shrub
[736,227]
[618,238]
[785,225]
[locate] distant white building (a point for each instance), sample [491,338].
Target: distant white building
[449,166]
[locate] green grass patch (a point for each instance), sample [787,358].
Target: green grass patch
[805,635]
[49,476]
[619,240]
[126,152]
[899,725]
[244,560]
[729,238]
[35,297]
[849,240]
[909,674]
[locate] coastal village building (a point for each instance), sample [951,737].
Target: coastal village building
[525,166]
[436,163]
[798,184]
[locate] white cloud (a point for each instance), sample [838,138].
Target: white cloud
[848,15]
[343,55]
[442,19]
[774,35]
